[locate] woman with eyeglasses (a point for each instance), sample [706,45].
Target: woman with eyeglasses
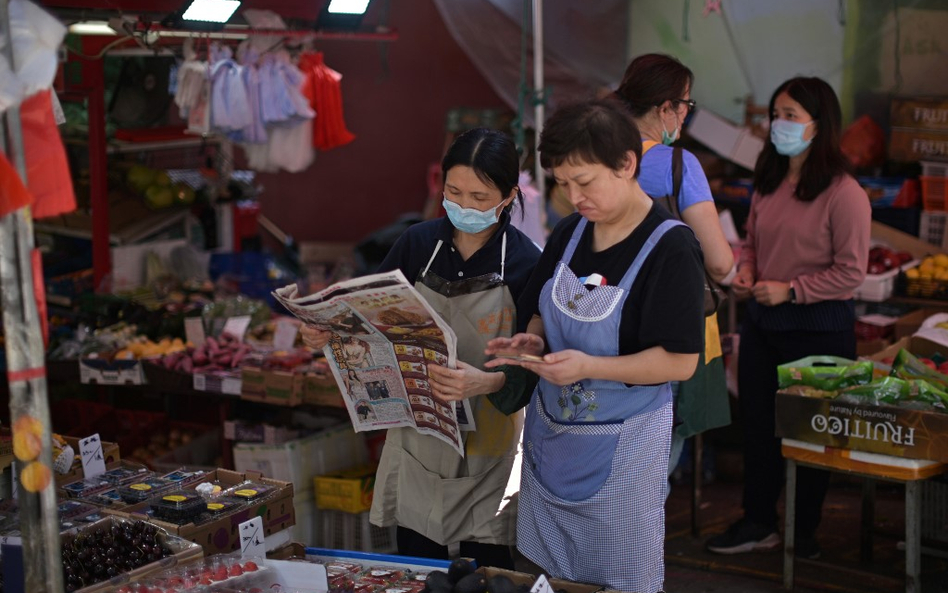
[471,266]
[805,253]
[656,89]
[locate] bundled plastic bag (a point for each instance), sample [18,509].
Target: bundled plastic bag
[892,391]
[827,373]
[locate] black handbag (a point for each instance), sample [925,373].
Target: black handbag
[714,295]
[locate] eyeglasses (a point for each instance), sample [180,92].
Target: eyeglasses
[689,102]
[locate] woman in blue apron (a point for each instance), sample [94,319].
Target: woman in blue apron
[616,305]
[470,266]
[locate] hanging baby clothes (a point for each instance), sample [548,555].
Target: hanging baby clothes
[192,91]
[36,36]
[256,132]
[323,90]
[282,101]
[230,107]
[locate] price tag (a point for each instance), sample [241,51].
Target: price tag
[285,334]
[231,385]
[252,540]
[194,330]
[541,586]
[237,326]
[200,382]
[90,451]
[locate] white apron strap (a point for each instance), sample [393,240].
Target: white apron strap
[503,255]
[434,254]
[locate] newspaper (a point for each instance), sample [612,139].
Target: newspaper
[384,336]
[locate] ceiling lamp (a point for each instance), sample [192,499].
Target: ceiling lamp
[342,15]
[202,15]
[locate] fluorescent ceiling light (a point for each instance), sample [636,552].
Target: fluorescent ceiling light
[348,6]
[211,11]
[91,28]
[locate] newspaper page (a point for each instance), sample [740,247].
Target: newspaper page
[384,335]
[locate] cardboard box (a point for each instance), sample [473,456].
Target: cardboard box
[279,388]
[870,347]
[899,241]
[267,434]
[349,490]
[184,553]
[221,535]
[523,578]
[735,143]
[322,390]
[929,113]
[300,460]
[115,372]
[110,451]
[909,144]
[226,382]
[910,323]
[886,430]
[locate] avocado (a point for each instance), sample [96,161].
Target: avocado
[459,569]
[437,581]
[501,584]
[471,583]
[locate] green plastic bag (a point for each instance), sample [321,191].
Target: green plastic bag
[828,373]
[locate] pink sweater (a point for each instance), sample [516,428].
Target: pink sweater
[822,246]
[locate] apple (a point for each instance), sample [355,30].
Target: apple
[904,257]
[876,267]
[929,363]
[888,360]
[943,368]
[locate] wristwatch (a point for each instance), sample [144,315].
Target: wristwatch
[792,295]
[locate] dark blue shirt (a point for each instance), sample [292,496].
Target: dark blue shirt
[411,253]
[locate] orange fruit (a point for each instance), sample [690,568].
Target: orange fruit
[26,446]
[35,477]
[29,424]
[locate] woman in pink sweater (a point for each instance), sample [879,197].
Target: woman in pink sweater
[805,253]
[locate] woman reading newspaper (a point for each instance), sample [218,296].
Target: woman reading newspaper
[471,266]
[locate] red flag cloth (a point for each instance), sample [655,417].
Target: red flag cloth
[13,194]
[47,169]
[324,93]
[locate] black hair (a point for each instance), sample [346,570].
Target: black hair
[493,157]
[825,161]
[652,79]
[593,132]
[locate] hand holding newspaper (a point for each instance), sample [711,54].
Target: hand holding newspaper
[384,336]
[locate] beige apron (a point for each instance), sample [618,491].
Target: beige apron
[422,483]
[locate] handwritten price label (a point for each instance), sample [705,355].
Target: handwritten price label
[90,451]
[251,539]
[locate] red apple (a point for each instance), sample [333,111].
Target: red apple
[888,360]
[943,368]
[929,363]
[904,257]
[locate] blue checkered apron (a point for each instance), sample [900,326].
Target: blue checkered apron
[596,452]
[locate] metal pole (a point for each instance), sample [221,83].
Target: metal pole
[26,375]
[539,94]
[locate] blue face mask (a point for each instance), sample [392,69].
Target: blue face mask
[787,136]
[469,220]
[668,139]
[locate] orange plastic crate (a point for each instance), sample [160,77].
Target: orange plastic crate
[934,192]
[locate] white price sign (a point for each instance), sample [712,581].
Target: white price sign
[284,336]
[541,586]
[93,460]
[251,539]
[237,326]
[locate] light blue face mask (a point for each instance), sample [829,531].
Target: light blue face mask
[469,220]
[669,139]
[787,136]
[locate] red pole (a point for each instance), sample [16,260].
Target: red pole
[94,81]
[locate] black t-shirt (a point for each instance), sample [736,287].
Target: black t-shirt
[665,306]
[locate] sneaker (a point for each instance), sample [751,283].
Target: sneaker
[744,536]
[806,547]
